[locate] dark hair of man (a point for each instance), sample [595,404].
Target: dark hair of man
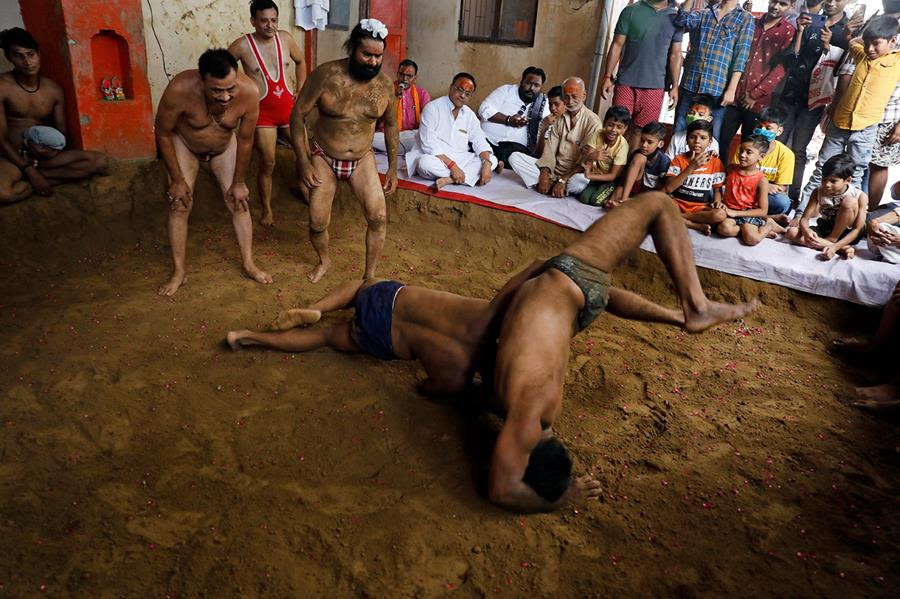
[535,71]
[464,75]
[703,100]
[258,5]
[217,62]
[773,114]
[408,63]
[549,470]
[555,92]
[841,166]
[760,142]
[654,128]
[883,27]
[16,36]
[700,125]
[618,113]
[356,39]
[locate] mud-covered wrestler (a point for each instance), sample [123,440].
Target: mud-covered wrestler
[537,312]
[351,95]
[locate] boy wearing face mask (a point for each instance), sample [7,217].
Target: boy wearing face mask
[778,162]
[701,109]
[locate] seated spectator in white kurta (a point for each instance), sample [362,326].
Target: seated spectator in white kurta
[513,113]
[447,128]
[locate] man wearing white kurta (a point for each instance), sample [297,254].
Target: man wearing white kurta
[512,114]
[447,128]
[558,172]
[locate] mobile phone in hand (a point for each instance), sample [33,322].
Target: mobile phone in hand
[817,20]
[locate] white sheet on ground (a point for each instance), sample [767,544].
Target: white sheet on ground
[863,280]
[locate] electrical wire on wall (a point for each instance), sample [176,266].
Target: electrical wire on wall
[158,43]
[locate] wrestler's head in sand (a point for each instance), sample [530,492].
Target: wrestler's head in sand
[549,470]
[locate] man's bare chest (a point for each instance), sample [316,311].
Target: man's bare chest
[353,100]
[38,107]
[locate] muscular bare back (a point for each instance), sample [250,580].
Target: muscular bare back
[348,109]
[23,109]
[203,131]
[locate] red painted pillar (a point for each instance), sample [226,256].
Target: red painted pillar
[83,43]
[393,14]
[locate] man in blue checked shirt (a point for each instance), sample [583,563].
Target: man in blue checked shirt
[720,36]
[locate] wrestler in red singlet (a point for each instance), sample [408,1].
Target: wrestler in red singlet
[276,104]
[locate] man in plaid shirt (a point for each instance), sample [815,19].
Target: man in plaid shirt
[721,35]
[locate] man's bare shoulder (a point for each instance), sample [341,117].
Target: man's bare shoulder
[239,47]
[333,68]
[184,81]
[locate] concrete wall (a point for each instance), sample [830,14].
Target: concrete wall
[186,28]
[10,16]
[563,46]
[331,40]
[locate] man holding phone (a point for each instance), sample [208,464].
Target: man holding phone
[810,42]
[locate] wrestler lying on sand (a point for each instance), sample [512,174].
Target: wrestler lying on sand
[537,312]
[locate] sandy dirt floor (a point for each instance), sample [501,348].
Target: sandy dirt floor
[138,457]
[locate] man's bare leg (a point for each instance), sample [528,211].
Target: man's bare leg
[222,167]
[178,220]
[266,139]
[341,298]
[878,178]
[320,200]
[367,186]
[73,165]
[14,187]
[610,239]
[626,304]
[887,332]
[296,340]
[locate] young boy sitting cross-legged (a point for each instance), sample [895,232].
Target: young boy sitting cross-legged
[646,167]
[747,195]
[695,179]
[841,208]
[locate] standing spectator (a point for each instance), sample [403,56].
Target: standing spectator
[887,148]
[804,112]
[860,100]
[772,35]
[645,72]
[721,35]
[512,114]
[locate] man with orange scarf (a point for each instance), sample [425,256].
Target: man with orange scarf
[411,100]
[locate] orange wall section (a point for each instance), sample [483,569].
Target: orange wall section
[81,40]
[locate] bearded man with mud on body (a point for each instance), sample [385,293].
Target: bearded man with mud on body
[208,115]
[351,95]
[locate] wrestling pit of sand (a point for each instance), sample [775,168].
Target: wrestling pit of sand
[139,457]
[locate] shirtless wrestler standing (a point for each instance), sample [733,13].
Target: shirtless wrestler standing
[266,55]
[196,121]
[32,161]
[350,95]
[536,314]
